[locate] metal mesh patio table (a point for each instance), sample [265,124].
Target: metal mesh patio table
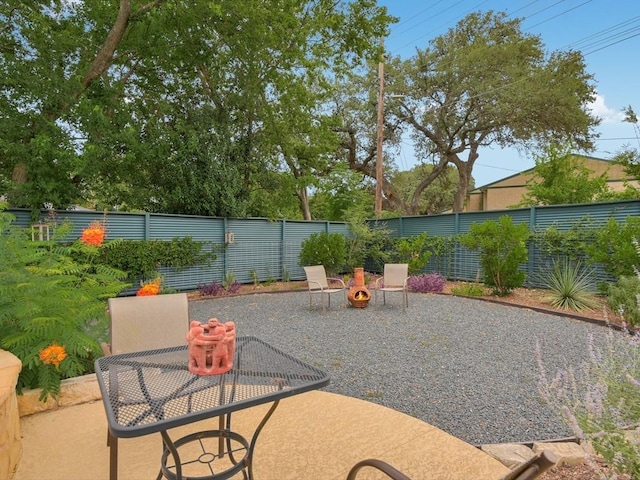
[153,391]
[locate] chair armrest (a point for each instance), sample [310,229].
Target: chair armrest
[319,285]
[337,280]
[378,281]
[384,467]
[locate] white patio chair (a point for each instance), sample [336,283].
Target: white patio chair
[319,283]
[394,280]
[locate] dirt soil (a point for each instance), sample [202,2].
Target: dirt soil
[536,299]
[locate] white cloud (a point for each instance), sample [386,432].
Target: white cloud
[600,110]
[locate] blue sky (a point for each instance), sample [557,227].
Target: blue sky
[607,33]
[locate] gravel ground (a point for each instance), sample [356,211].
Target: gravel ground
[466,366]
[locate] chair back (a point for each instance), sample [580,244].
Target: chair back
[316,276]
[395,274]
[148,322]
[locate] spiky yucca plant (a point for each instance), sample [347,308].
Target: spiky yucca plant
[571,286]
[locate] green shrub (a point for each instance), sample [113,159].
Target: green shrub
[571,285]
[622,298]
[613,247]
[365,243]
[52,305]
[142,258]
[328,249]
[502,247]
[600,399]
[413,251]
[468,289]
[570,243]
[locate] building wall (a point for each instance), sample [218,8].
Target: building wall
[508,192]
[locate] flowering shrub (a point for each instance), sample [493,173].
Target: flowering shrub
[600,400]
[153,287]
[215,289]
[428,283]
[53,355]
[53,303]
[94,234]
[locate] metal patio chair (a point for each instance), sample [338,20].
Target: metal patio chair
[528,470]
[145,323]
[394,279]
[148,322]
[318,283]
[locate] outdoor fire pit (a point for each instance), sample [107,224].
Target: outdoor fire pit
[359,296]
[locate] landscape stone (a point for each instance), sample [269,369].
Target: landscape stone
[510,454]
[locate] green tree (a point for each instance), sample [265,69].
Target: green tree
[328,249]
[629,158]
[436,198]
[483,83]
[184,118]
[560,177]
[343,195]
[355,104]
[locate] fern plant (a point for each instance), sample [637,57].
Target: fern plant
[52,305]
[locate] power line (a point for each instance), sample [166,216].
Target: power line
[559,14]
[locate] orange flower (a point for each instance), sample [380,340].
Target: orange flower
[151,288]
[93,234]
[53,354]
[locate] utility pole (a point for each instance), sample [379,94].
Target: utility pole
[379,180]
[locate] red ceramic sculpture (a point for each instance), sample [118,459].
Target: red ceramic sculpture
[211,347]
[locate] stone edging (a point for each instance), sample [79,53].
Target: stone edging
[73,391]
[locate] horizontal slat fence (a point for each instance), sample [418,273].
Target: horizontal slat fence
[267,250]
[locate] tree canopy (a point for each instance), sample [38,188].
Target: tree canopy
[252,108]
[485,82]
[169,105]
[561,178]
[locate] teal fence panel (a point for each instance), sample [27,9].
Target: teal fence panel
[256,249]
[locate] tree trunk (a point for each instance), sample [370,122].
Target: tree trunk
[464,175]
[435,173]
[19,175]
[304,203]
[105,55]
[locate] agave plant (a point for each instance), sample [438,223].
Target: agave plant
[571,286]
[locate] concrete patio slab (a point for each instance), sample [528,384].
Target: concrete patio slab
[313,436]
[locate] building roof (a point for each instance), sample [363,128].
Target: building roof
[530,170]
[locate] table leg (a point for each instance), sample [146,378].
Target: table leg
[113,457]
[255,437]
[221,439]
